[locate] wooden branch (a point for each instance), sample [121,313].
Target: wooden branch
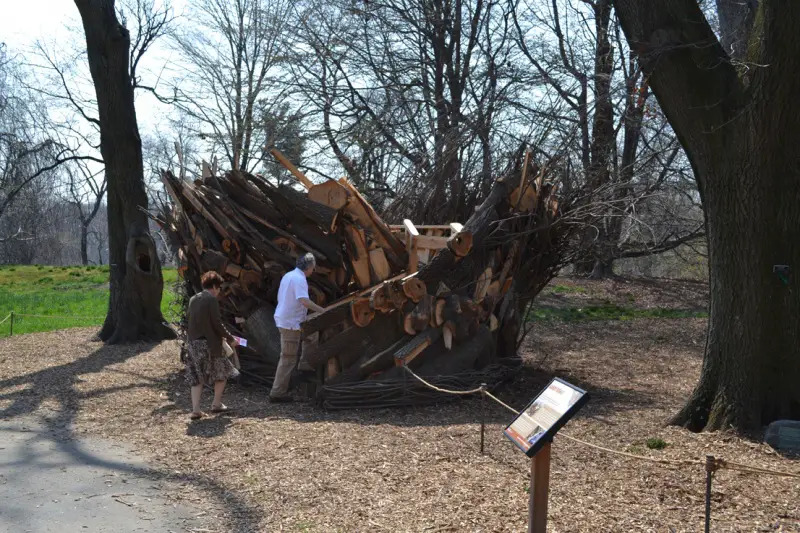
[277,154]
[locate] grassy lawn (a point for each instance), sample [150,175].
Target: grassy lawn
[61,297]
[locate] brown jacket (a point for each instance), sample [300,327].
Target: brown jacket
[205,322]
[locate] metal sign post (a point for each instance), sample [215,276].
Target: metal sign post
[540,488]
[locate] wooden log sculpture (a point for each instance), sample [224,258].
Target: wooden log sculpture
[457,312]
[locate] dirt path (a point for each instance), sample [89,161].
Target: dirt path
[51,482]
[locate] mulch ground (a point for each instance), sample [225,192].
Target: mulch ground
[297,468]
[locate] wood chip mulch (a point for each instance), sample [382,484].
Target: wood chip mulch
[296,468]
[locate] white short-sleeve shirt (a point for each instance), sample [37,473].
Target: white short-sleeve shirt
[290,311]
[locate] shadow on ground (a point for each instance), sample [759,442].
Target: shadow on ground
[58,385]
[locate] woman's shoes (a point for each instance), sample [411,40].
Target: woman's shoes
[195,416]
[221,408]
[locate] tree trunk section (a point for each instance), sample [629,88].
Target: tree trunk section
[84,244]
[740,130]
[136,282]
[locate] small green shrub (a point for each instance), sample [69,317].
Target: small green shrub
[44,279]
[76,273]
[656,443]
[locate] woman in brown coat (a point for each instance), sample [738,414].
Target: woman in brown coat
[206,361]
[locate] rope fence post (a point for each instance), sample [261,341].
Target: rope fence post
[483,413]
[710,467]
[11,328]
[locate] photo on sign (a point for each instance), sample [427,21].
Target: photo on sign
[543,413]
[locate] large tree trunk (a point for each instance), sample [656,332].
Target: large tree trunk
[740,134]
[135,276]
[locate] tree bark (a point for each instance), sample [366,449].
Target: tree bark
[136,282]
[84,243]
[740,135]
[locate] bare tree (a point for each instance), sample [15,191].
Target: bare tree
[598,103]
[233,49]
[136,282]
[407,96]
[84,190]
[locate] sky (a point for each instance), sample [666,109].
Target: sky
[22,23]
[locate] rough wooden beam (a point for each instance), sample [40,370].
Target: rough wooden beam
[330,193]
[416,346]
[277,154]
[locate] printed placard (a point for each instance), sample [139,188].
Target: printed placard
[545,415]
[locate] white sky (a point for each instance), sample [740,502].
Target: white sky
[23,22]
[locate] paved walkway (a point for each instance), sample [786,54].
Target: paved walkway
[49,482]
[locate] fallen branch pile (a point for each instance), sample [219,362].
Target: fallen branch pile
[441,299]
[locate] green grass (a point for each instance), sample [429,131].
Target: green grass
[656,443]
[566,289]
[609,312]
[65,297]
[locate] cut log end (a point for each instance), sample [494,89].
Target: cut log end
[361,312]
[414,289]
[460,243]
[408,324]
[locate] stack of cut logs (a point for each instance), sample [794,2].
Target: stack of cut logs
[435,298]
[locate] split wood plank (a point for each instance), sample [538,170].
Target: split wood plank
[411,247]
[430,242]
[330,193]
[379,264]
[416,346]
[282,159]
[360,257]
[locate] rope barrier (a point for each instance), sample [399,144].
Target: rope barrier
[501,402]
[732,465]
[719,463]
[58,316]
[6,318]
[439,389]
[633,455]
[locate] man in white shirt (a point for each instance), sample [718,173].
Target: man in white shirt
[293,303]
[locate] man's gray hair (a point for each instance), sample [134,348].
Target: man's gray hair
[306,260]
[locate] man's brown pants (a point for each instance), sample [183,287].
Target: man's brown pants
[290,346]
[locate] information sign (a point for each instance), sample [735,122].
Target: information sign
[538,423]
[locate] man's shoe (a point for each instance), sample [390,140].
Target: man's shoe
[280,399]
[303,366]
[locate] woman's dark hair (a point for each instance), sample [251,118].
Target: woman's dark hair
[211,280]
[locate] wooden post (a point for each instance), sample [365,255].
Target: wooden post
[483,413]
[411,245]
[540,486]
[11,331]
[709,474]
